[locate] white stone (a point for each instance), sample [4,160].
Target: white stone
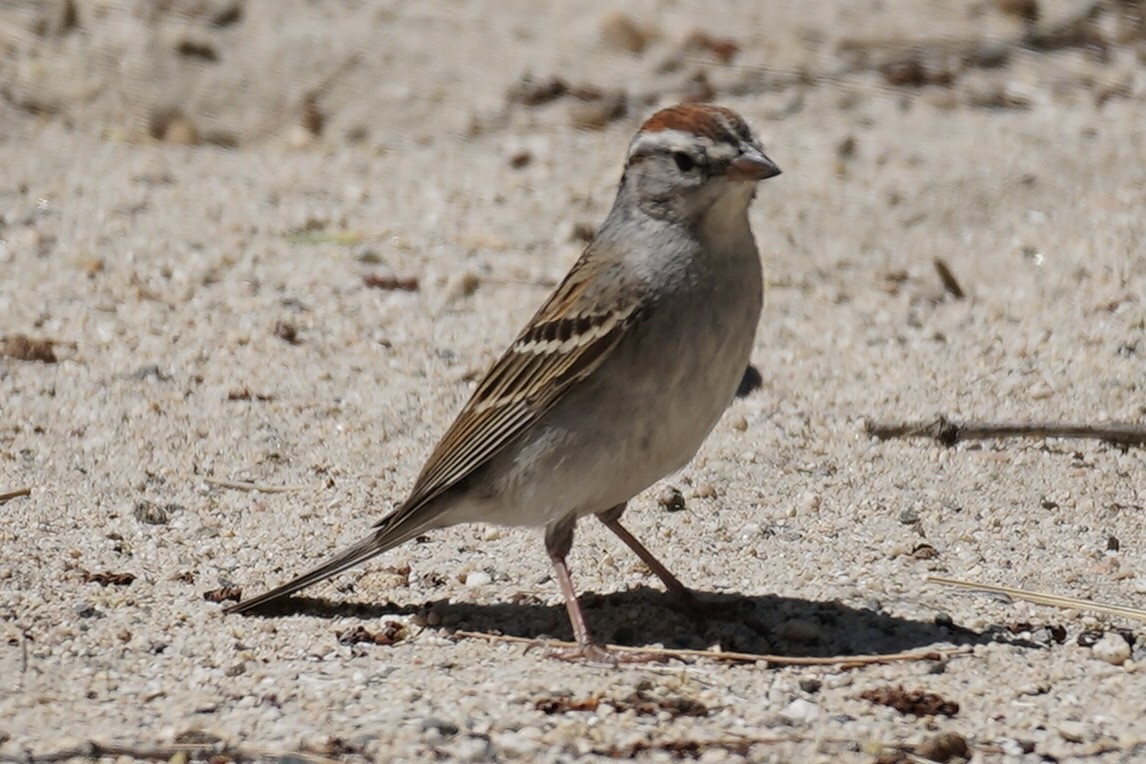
[478,578]
[801,710]
[1112,648]
[1073,732]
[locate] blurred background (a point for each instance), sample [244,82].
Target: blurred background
[243,72]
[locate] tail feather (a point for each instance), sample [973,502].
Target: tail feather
[383,539]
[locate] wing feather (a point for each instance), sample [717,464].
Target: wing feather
[568,338]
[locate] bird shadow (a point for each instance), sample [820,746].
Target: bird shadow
[643,616]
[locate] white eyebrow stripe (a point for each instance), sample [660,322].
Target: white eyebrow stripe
[679,140]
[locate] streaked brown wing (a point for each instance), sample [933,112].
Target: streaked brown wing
[568,338]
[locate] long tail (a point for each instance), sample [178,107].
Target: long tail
[397,530]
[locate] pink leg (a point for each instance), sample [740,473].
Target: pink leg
[612,521]
[558,541]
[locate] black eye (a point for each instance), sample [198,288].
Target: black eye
[684,162]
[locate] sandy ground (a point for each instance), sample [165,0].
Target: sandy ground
[207,206]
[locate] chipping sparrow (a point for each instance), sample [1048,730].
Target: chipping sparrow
[622,373]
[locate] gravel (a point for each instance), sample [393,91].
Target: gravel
[251,349]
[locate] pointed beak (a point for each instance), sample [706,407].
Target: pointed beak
[752,166]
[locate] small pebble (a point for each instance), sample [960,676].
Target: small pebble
[596,113]
[1073,732]
[924,552]
[811,684]
[671,499]
[946,746]
[173,126]
[620,31]
[801,710]
[478,578]
[1012,747]
[462,284]
[897,550]
[85,609]
[441,726]
[150,513]
[1111,648]
[836,681]
[705,491]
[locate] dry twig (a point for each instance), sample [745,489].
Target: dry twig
[7,495]
[842,661]
[740,747]
[949,433]
[950,283]
[93,750]
[1038,598]
[244,485]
